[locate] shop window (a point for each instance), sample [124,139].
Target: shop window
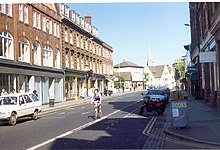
[37,53]
[57,58]
[6,45]
[47,57]
[24,50]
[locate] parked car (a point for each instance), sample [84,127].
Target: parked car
[154,100]
[167,93]
[14,106]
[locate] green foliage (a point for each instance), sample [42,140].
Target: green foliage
[180,67]
[117,83]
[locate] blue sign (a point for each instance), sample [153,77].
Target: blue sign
[192,69]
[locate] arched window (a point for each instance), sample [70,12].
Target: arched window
[47,58]
[57,58]
[36,53]
[24,50]
[6,45]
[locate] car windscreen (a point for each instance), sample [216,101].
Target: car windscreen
[8,100]
[34,97]
[155,92]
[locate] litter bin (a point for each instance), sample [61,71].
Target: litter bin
[51,102]
[179,113]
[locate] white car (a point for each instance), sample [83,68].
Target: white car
[14,106]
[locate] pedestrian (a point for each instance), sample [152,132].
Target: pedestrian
[35,93]
[4,92]
[12,91]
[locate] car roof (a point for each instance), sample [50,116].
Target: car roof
[15,94]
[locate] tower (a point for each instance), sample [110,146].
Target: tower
[150,61]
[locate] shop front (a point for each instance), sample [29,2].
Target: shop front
[24,77]
[75,84]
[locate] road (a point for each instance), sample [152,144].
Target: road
[75,128]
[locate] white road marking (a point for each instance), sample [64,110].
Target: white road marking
[86,112]
[83,107]
[77,129]
[149,126]
[62,113]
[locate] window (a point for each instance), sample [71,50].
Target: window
[44,23]
[38,21]
[47,57]
[57,58]
[55,29]
[81,42]
[58,30]
[50,27]
[20,12]
[9,13]
[2,8]
[71,37]
[34,19]
[72,60]
[67,58]
[86,44]
[26,14]
[6,45]
[77,40]
[24,50]
[36,53]
[66,35]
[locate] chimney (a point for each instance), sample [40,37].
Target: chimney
[88,18]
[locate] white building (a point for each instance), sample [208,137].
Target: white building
[131,72]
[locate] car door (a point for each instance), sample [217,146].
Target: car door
[21,111]
[29,104]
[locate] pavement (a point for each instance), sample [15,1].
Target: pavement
[73,103]
[204,122]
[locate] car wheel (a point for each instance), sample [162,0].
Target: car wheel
[35,115]
[13,119]
[161,110]
[141,111]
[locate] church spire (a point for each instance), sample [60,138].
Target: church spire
[149,59]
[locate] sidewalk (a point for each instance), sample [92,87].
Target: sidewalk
[46,108]
[204,123]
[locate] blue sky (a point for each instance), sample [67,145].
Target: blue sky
[131,28]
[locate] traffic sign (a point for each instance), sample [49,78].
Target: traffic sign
[192,69]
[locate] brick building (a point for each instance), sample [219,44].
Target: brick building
[30,49]
[205,46]
[83,50]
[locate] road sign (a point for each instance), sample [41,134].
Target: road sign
[206,57]
[192,69]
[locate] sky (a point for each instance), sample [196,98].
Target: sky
[134,28]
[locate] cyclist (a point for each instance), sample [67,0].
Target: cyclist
[96,100]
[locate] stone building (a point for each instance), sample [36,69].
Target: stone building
[30,49]
[205,44]
[83,50]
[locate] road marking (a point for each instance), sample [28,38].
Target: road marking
[86,112]
[77,129]
[149,126]
[83,107]
[62,113]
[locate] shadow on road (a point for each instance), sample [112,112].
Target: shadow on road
[115,133]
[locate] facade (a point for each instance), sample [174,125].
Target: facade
[30,49]
[205,35]
[129,70]
[160,76]
[83,50]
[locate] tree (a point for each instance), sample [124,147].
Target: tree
[180,67]
[119,82]
[145,78]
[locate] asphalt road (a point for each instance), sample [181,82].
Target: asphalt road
[75,128]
